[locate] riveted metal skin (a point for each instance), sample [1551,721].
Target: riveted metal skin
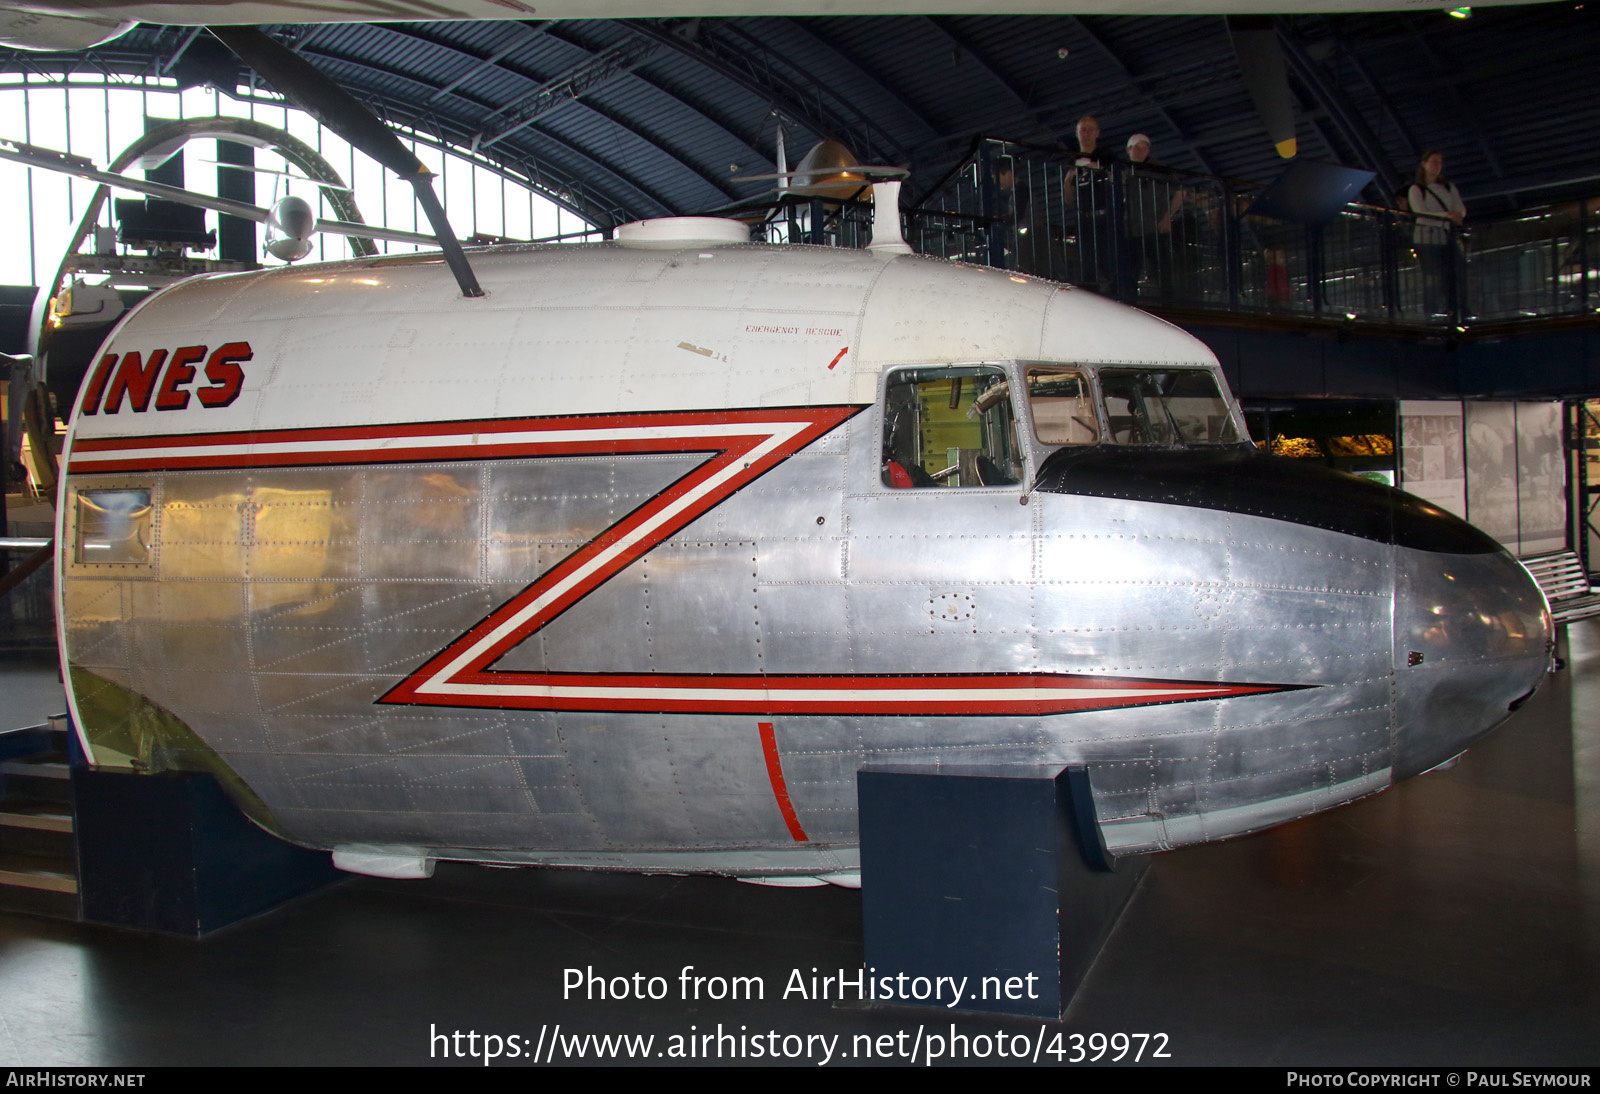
[603,570]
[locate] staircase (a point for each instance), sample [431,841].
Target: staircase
[38,858]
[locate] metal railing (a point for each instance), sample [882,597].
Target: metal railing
[1158,236]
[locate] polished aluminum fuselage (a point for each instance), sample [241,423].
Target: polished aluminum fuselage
[291,594]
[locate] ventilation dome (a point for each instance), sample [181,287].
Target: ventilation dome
[682,231]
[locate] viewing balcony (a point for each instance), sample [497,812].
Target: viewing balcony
[1181,242]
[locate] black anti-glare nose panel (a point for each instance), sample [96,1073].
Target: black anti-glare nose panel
[1242,480]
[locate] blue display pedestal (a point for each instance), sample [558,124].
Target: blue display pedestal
[998,875]
[171,853]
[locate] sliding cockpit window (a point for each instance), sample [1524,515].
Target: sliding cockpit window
[949,427]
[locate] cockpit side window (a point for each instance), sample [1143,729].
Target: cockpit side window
[1153,406]
[1061,401]
[950,427]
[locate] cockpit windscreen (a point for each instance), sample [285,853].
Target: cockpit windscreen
[1156,406]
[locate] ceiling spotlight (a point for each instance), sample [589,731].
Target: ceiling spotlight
[732,167]
[1062,53]
[1461,13]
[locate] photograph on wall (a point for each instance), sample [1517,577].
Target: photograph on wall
[1541,479]
[1432,456]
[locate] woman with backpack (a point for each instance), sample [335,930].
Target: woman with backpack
[1437,205]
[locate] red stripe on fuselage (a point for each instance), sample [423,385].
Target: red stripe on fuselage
[460,675]
[894,695]
[780,789]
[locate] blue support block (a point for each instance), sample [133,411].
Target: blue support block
[17,743]
[171,852]
[996,874]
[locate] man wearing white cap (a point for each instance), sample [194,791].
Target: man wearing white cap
[1152,201]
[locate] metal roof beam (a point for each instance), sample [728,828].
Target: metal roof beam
[547,30]
[587,76]
[1384,105]
[747,141]
[469,139]
[715,182]
[1346,120]
[698,109]
[931,131]
[177,54]
[400,109]
[802,102]
[529,33]
[1529,184]
[962,43]
[1466,108]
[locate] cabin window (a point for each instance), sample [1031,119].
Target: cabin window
[1151,406]
[950,427]
[1063,408]
[112,526]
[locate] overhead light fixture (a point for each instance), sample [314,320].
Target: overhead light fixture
[1461,13]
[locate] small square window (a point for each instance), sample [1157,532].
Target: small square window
[113,526]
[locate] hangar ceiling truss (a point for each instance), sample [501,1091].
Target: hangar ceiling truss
[634,118]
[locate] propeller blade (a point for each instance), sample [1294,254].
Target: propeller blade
[285,174]
[306,86]
[1255,44]
[79,168]
[393,235]
[868,173]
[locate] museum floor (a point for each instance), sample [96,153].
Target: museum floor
[1452,920]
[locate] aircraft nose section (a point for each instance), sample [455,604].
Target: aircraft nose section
[1472,638]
